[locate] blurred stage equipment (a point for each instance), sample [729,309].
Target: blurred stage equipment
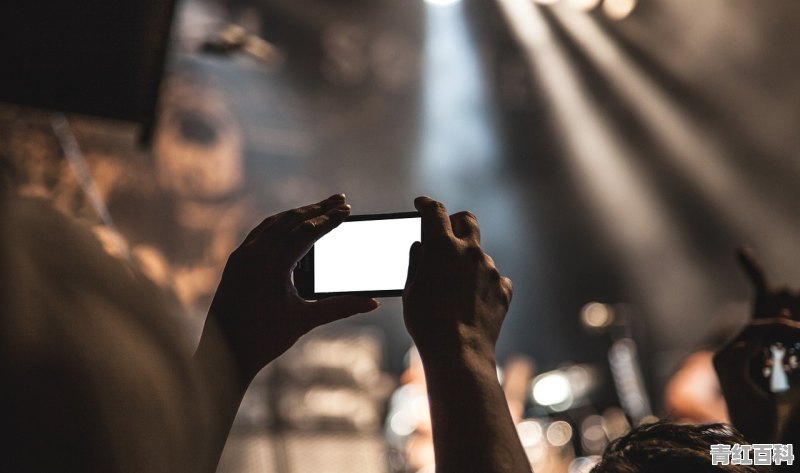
[103,58]
[623,355]
[626,371]
[328,399]
[564,388]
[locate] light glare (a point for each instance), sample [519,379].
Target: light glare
[559,433]
[584,5]
[619,9]
[552,389]
[597,315]
[442,3]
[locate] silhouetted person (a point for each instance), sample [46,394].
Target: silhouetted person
[96,377]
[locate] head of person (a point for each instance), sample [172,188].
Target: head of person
[664,447]
[95,376]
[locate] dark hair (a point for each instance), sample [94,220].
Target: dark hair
[666,447]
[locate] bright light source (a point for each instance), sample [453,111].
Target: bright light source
[442,3]
[583,464]
[597,315]
[403,423]
[584,5]
[530,433]
[619,9]
[420,409]
[559,433]
[593,435]
[553,390]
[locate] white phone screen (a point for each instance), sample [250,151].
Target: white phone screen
[365,255]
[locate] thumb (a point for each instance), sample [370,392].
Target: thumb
[414,259]
[331,309]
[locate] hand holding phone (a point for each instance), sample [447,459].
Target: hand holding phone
[256,312]
[365,255]
[758,370]
[776,367]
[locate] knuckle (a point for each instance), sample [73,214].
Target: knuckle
[436,206]
[508,287]
[474,253]
[307,227]
[468,216]
[294,213]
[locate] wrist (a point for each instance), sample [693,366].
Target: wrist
[467,351]
[217,359]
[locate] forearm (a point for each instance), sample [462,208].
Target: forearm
[472,426]
[225,387]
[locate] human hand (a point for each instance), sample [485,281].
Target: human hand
[755,412]
[256,308]
[760,415]
[454,299]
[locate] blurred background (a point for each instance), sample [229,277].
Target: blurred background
[615,152]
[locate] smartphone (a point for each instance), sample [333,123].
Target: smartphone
[365,255]
[776,369]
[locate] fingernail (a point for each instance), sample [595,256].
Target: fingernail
[340,196]
[341,209]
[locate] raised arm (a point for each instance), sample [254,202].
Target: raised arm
[761,416]
[256,314]
[454,304]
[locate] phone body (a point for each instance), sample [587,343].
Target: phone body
[365,255]
[776,368]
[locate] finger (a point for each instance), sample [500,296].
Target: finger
[331,309]
[465,226]
[303,236]
[435,221]
[508,287]
[414,260]
[333,200]
[286,221]
[753,269]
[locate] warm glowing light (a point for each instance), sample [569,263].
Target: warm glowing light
[553,390]
[442,3]
[597,315]
[584,5]
[619,9]
[593,435]
[530,433]
[403,423]
[583,464]
[559,433]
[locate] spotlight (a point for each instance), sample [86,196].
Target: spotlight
[530,433]
[553,390]
[561,389]
[584,5]
[559,433]
[442,3]
[596,315]
[619,9]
